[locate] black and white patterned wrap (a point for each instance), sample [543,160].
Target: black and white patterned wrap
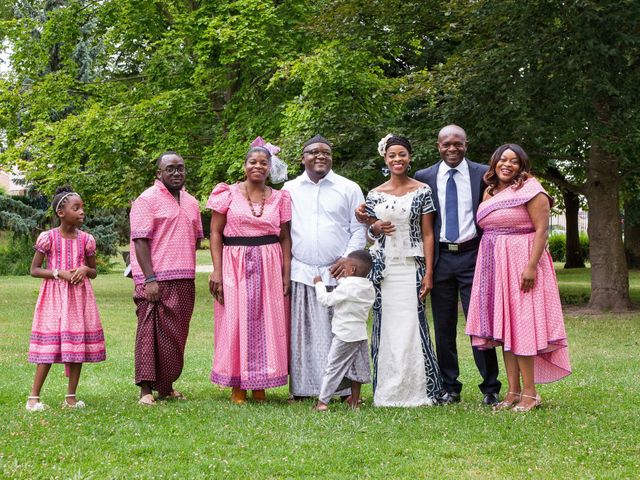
[422,204]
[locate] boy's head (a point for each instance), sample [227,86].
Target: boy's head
[360,263]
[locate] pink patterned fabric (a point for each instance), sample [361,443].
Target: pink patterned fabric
[528,324]
[251,328]
[172,229]
[66,324]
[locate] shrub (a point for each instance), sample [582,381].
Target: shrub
[584,245]
[558,246]
[103,229]
[16,255]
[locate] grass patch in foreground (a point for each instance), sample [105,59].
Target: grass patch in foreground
[589,426]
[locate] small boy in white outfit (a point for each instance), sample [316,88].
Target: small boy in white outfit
[348,361]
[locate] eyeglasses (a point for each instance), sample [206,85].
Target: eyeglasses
[317,153]
[171,169]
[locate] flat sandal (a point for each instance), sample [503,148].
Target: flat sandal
[36,407]
[506,405]
[536,404]
[78,404]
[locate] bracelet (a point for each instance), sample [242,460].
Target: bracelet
[373,235]
[149,279]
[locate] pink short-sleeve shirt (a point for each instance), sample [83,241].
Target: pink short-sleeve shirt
[172,229]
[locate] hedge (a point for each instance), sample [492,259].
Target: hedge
[558,246]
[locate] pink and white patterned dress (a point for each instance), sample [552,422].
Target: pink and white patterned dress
[251,328]
[500,313]
[66,324]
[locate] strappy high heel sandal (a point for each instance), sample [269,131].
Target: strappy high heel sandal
[36,407]
[535,404]
[507,404]
[78,404]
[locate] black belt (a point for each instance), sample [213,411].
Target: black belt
[459,247]
[250,241]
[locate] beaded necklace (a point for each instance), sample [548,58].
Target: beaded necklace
[264,198]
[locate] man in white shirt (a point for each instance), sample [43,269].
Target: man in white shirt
[457,186]
[324,231]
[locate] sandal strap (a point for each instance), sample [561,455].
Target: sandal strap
[529,396]
[70,395]
[515,393]
[31,398]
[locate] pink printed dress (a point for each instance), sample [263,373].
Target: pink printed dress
[66,324]
[528,324]
[251,328]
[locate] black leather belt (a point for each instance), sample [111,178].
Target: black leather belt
[250,241]
[459,247]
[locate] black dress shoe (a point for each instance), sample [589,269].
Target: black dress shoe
[490,399]
[449,397]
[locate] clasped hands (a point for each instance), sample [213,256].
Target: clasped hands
[387,228]
[74,276]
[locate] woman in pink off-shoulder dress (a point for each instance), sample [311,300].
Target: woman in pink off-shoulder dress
[515,300]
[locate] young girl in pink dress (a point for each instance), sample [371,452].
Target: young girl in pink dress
[66,324]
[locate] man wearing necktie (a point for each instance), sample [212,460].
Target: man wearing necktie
[457,187]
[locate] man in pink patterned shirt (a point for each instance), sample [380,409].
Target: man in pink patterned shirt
[165,232]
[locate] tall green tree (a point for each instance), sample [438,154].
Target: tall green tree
[99,89]
[561,78]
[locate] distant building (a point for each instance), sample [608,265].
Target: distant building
[558,223]
[9,185]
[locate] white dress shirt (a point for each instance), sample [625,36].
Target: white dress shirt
[323,226]
[351,301]
[466,225]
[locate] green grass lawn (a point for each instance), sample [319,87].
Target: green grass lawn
[589,426]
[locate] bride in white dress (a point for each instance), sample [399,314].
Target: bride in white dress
[405,368]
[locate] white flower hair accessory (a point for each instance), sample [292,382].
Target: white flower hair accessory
[382,144]
[278,172]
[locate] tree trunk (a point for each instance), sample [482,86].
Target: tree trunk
[632,233]
[609,273]
[573,249]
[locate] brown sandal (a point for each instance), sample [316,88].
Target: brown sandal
[258,396]
[147,400]
[238,396]
[174,395]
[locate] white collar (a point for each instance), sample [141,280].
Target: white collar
[329,177]
[462,167]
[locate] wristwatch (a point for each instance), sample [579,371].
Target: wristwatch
[56,274]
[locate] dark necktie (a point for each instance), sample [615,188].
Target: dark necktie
[452,231]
